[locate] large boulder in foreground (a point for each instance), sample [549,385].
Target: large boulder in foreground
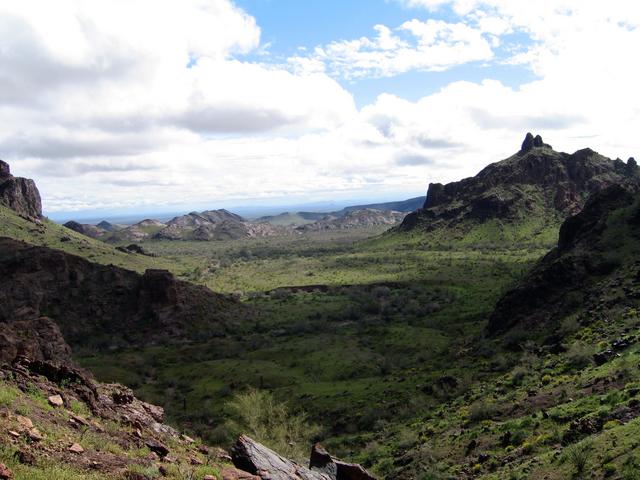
[19,194]
[255,458]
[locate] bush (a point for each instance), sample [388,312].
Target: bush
[579,356]
[579,455]
[258,414]
[481,410]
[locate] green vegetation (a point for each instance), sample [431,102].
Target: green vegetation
[258,414]
[50,234]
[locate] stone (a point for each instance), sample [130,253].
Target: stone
[56,401]
[76,448]
[158,448]
[24,421]
[229,473]
[35,435]
[322,461]
[5,473]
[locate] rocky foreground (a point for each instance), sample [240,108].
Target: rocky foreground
[57,422]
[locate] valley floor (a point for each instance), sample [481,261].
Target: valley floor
[383,320]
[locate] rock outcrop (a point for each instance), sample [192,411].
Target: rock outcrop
[266,464]
[594,244]
[28,334]
[105,304]
[19,194]
[536,181]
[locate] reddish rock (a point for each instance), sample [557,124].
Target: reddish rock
[229,473]
[19,194]
[5,473]
[76,448]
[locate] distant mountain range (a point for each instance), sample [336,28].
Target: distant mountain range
[222,224]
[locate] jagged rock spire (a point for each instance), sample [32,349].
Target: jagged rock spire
[5,171]
[531,142]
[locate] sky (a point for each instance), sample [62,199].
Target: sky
[125,106]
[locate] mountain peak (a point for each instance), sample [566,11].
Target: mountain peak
[19,194]
[5,171]
[531,142]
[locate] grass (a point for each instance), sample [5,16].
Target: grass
[52,235]
[389,357]
[393,319]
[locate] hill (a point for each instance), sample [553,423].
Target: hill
[526,196]
[362,218]
[601,241]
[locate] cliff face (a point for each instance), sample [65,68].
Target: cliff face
[537,180]
[19,194]
[600,243]
[106,303]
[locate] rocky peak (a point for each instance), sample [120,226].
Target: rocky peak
[5,171]
[536,180]
[531,142]
[19,194]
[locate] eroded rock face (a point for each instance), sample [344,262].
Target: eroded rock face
[28,334]
[90,301]
[19,194]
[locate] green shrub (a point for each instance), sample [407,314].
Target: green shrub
[258,414]
[578,456]
[7,395]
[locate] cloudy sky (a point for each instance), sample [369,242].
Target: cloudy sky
[166,104]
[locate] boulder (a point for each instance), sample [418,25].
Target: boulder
[253,457]
[56,401]
[76,448]
[335,469]
[157,447]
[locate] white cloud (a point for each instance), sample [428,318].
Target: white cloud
[97,102]
[432,45]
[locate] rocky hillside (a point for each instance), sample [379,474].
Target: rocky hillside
[58,423]
[364,218]
[599,243]
[535,186]
[19,194]
[105,305]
